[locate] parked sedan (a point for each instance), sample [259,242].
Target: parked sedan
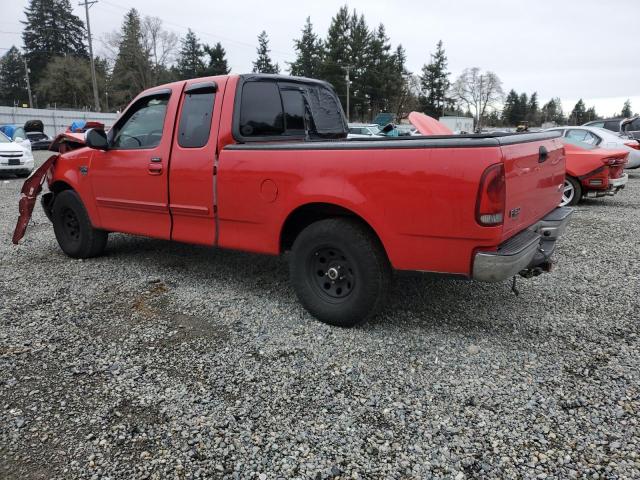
[39,140]
[604,139]
[621,125]
[592,171]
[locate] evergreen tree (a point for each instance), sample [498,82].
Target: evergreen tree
[13,87]
[533,110]
[511,109]
[132,70]
[217,60]
[337,53]
[523,108]
[359,45]
[552,112]
[591,114]
[626,109]
[435,83]
[51,29]
[309,53]
[190,57]
[263,63]
[578,114]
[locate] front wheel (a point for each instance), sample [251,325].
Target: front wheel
[572,192]
[72,226]
[339,271]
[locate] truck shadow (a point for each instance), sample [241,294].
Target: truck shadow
[416,300]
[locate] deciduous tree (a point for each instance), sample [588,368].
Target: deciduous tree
[477,91]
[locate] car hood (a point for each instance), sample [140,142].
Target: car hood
[427,125]
[11,147]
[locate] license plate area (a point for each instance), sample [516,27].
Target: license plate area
[14,161]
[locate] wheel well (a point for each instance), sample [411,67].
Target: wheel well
[60,186]
[305,215]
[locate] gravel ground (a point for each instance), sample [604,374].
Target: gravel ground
[162,360]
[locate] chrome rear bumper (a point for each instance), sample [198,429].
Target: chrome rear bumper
[529,249]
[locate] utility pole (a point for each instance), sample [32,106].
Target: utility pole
[348,69]
[96,97]
[26,76]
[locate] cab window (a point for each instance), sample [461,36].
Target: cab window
[195,120]
[261,112]
[142,126]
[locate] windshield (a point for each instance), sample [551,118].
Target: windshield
[4,138]
[578,143]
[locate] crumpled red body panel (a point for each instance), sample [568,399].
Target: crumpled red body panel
[427,125]
[29,193]
[67,141]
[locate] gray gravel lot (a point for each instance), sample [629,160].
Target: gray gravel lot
[163,360]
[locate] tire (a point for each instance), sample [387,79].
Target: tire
[72,226]
[340,271]
[572,193]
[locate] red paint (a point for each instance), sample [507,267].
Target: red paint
[597,164]
[421,202]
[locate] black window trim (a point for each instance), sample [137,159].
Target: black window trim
[235,130]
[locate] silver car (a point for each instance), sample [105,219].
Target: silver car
[364,130]
[603,138]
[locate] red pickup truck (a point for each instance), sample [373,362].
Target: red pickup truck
[261,163]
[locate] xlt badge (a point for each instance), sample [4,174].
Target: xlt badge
[514,212]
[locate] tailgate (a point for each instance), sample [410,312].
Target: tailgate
[534,180]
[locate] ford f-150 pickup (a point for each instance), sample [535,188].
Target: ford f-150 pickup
[261,163]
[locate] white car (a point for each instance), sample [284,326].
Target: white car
[368,130]
[15,157]
[603,138]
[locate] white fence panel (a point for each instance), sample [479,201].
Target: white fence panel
[55,121]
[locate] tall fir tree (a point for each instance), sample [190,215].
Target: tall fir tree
[533,110]
[263,63]
[523,108]
[13,86]
[132,70]
[337,53]
[511,109]
[359,45]
[217,60]
[626,109]
[435,84]
[50,30]
[309,53]
[578,114]
[190,58]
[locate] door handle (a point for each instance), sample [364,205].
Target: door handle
[543,154]
[155,169]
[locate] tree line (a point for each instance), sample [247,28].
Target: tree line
[367,71]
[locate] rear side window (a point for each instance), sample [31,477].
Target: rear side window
[261,112]
[294,111]
[613,126]
[195,119]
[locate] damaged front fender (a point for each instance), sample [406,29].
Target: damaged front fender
[29,193]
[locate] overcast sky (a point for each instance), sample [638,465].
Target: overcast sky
[565,48]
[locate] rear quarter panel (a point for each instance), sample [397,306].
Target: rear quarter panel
[420,202]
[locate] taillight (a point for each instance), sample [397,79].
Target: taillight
[491,196]
[614,161]
[634,145]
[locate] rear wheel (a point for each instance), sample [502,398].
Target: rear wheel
[339,271]
[72,226]
[572,192]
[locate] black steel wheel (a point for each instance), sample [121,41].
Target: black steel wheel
[339,271]
[72,226]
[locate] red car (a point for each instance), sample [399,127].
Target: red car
[261,163]
[592,171]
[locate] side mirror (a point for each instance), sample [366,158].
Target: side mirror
[96,138]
